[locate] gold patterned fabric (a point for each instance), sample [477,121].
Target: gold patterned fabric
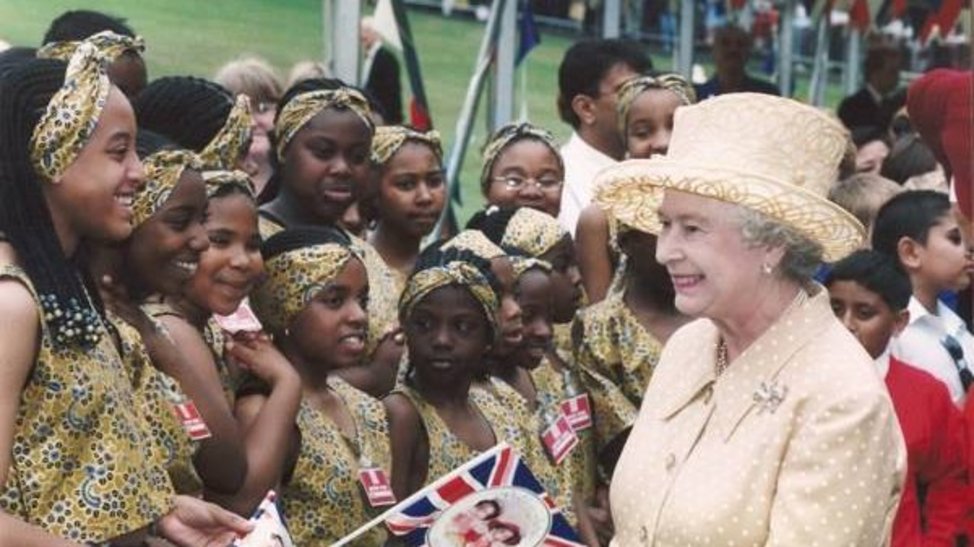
[389,139]
[446,450]
[635,87]
[219,178]
[71,115]
[457,272]
[324,500]
[522,264]
[156,393]
[82,465]
[476,242]
[293,278]
[267,226]
[109,44]
[162,172]
[554,387]
[301,108]
[768,154]
[615,357]
[230,144]
[384,285]
[385,288]
[512,133]
[533,232]
[514,422]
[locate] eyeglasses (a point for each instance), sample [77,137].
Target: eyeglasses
[518,183]
[957,354]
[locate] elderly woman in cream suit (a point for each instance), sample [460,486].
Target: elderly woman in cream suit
[765,422]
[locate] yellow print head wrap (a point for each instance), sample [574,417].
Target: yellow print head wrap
[476,242]
[162,172]
[635,87]
[532,231]
[509,134]
[301,108]
[389,139]
[72,114]
[293,279]
[108,43]
[219,178]
[229,146]
[456,272]
[522,264]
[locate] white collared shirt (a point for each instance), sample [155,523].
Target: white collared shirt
[582,163]
[920,344]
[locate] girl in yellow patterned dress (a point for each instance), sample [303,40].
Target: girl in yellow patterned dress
[314,302]
[406,194]
[448,310]
[322,145]
[159,259]
[618,341]
[75,460]
[645,105]
[223,275]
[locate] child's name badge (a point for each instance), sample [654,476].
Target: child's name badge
[578,410]
[242,320]
[192,422]
[375,483]
[559,439]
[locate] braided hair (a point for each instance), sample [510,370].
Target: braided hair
[434,256]
[76,25]
[71,310]
[492,222]
[299,238]
[186,109]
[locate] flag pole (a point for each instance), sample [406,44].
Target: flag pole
[464,127]
[411,58]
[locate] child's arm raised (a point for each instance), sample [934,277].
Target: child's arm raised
[220,462]
[267,420]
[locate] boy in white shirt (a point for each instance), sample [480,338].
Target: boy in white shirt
[919,229]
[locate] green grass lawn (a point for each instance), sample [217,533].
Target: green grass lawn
[197,36]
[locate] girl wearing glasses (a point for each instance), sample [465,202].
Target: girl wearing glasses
[522,168]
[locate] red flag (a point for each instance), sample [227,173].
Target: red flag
[859,16]
[942,21]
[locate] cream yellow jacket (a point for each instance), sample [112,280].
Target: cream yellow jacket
[796,444]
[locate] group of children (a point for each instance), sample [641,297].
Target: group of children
[133,247]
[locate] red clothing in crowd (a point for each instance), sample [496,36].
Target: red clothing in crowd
[936,458]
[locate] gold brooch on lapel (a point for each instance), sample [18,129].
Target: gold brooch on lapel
[770,396]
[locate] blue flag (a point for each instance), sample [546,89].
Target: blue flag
[528,31]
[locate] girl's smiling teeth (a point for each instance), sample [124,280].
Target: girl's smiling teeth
[186,266]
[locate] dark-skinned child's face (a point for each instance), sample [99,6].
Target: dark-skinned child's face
[565,279]
[327,162]
[331,329]
[509,314]
[447,335]
[535,297]
[640,250]
[867,316]
[232,265]
[164,251]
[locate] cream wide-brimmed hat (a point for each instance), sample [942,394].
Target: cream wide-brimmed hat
[770,154]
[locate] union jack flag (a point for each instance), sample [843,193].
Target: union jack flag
[497,469]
